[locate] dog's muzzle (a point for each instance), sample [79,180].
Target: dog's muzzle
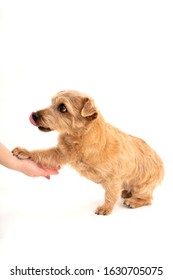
[34,119]
[35,116]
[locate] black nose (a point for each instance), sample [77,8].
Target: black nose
[35,116]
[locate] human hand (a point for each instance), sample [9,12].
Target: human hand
[30,168]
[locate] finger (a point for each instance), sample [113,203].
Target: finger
[51,171]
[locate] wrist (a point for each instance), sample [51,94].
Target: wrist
[17,165]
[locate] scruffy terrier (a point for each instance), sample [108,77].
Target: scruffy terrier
[121,163]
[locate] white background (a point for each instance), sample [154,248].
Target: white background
[120,53]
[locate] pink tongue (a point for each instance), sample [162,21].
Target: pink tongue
[32,121]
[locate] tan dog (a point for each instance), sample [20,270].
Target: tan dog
[121,163]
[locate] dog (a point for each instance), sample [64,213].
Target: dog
[123,164]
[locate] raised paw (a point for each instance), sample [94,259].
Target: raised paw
[103,210]
[21,153]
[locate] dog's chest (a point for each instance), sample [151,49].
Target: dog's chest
[83,160]
[86,170]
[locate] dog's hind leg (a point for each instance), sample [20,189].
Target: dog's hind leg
[137,202]
[141,196]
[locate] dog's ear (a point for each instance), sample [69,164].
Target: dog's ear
[89,110]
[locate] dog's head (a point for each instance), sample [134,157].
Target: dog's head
[70,112]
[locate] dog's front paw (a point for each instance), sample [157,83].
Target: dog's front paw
[103,210]
[21,153]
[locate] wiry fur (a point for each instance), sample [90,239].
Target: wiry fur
[121,163]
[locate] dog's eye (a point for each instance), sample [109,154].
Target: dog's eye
[62,108]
